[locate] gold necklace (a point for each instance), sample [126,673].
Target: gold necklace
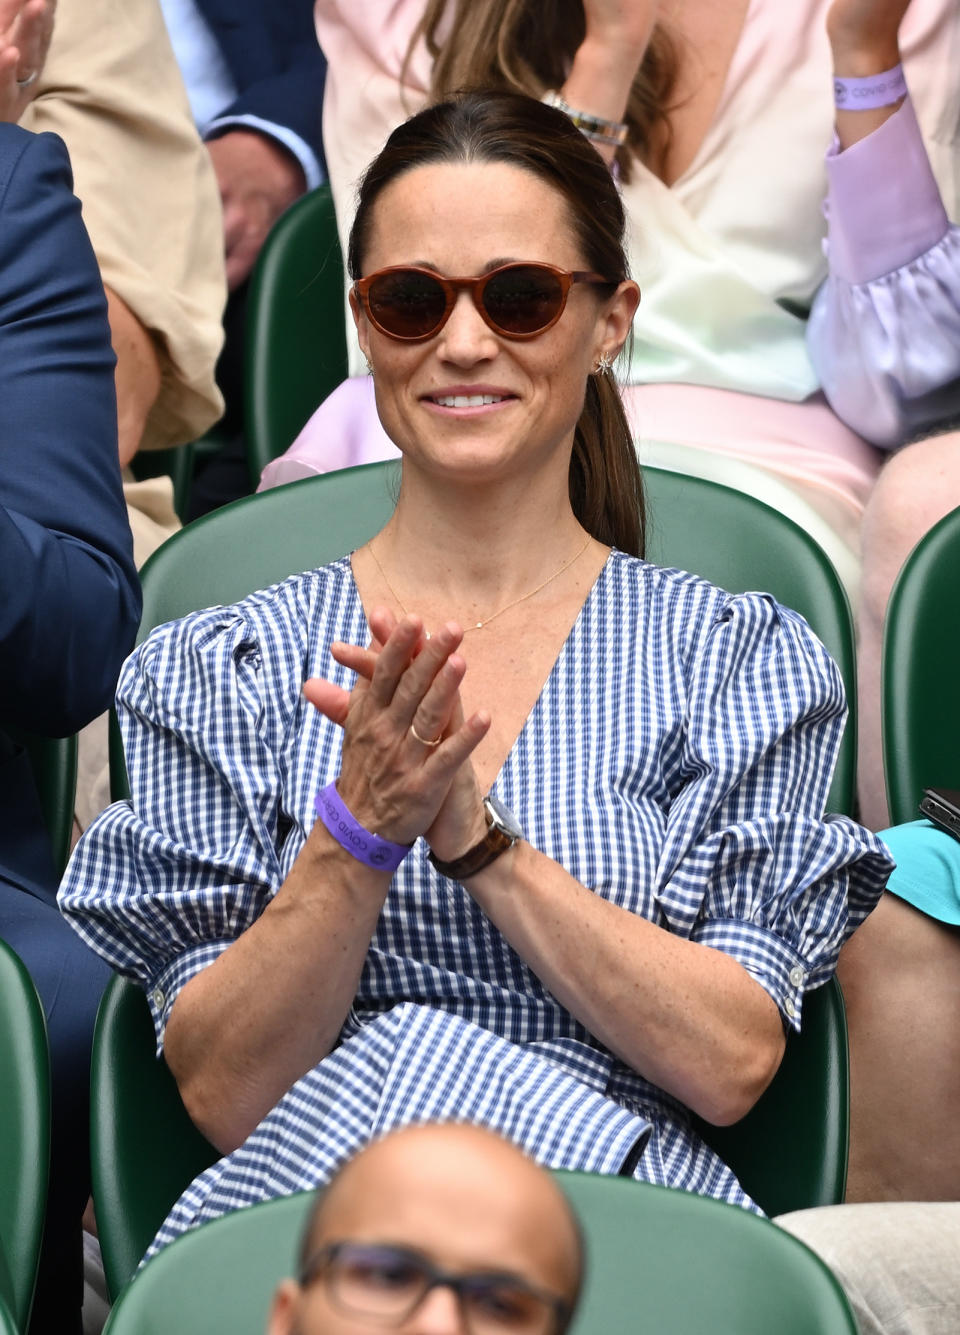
[479,625]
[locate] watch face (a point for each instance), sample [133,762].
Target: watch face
[503,818]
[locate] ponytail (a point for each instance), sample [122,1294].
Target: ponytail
[606,487]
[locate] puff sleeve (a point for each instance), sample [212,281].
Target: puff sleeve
[884,331]
[161,885]
[748,863]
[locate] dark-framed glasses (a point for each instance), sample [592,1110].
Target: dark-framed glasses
[515,300]
[386,1284]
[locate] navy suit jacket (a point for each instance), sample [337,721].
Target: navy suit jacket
[69,593]
[271,49]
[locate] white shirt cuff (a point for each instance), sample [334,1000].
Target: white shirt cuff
[300,149]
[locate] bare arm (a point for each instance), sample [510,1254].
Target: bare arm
[606,62]
[864,41]
[687,1017]
[246,1028]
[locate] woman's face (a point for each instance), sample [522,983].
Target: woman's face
[461,220]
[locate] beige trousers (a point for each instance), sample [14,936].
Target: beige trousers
[898,1262]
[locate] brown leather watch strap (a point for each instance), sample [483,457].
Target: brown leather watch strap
[496,841]
[475,859]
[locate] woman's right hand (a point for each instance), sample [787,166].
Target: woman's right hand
[392,782]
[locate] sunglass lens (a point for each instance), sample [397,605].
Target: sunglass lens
[522,299]
[407,304]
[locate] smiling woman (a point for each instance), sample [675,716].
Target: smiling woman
[563,874]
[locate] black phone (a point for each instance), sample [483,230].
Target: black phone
[942,806]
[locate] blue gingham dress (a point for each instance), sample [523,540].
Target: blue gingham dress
[676,762]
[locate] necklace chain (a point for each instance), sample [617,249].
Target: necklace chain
[479,625]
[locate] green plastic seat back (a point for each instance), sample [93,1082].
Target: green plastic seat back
[670,1261]
[296,340]
[658,1260]
[24,1133]
[256,541]
[790,1151]
[219,1277]
[742,544]
[264,538]
[921,665]
[144,1149]
[8,1325]
[54,764]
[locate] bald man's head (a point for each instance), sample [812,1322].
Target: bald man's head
[464,1200]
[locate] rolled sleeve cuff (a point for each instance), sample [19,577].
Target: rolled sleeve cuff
[291,141]
[163,990]
[884,206]
[778,969]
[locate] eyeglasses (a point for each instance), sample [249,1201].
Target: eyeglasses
[386,1284]
[516,300]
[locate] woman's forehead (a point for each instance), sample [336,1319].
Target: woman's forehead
[443,213]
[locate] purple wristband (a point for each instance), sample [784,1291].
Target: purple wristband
[879,90]
[370,849]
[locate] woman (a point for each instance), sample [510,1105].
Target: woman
[729,110]
[631,940]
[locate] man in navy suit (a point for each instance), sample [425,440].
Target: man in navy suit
[69,607]
[254,75]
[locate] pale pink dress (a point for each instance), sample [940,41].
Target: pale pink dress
[721,381]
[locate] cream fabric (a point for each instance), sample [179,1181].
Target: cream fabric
[112,90]
[898,1262]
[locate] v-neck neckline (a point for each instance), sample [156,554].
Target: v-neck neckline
[602,577]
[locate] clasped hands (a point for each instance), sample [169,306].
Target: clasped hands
[396,785]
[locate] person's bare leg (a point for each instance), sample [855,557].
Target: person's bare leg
[900,974]
[918,486]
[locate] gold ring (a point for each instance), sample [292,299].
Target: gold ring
[423,740]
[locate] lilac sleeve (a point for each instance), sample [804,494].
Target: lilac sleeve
[884,331]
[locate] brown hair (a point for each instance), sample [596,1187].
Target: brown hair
[606,491]
[527,46]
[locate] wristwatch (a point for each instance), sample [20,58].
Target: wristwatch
[503,831]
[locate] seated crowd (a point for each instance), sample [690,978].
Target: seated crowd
[489,821]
